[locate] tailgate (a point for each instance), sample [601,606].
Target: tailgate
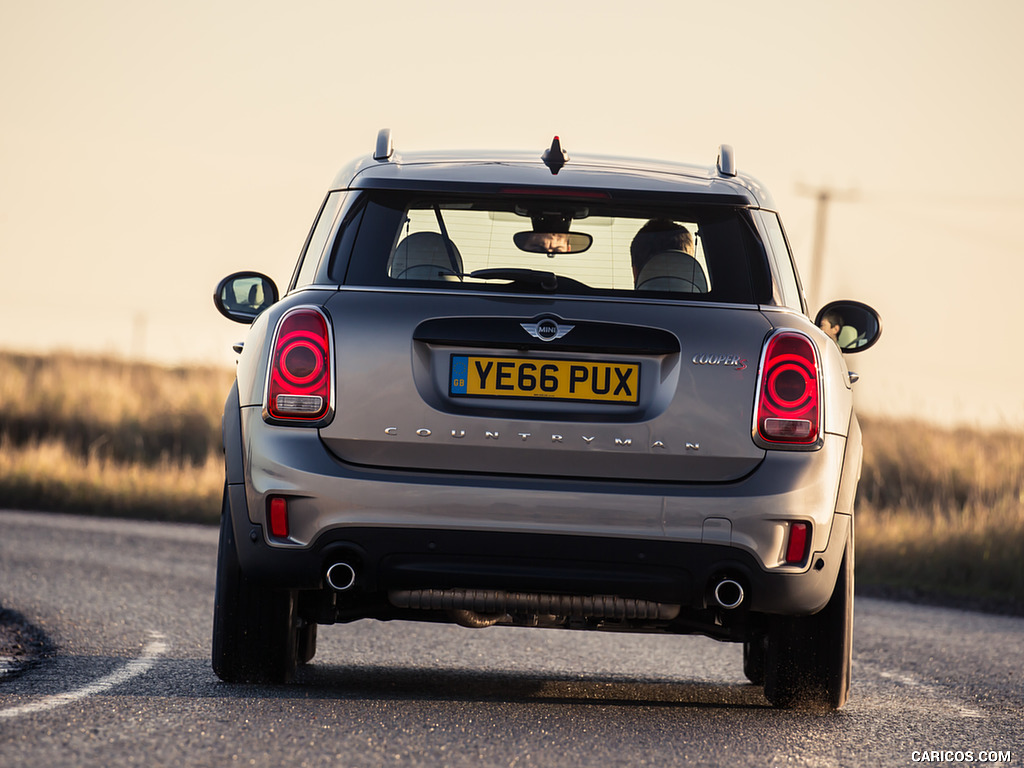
[626,390]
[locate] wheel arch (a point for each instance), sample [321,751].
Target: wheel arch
[235,504]
[231,436]
[853,458]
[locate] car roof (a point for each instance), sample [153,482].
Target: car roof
[388,168]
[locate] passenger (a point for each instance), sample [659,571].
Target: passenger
[662,253]
[831,324]
[657,236]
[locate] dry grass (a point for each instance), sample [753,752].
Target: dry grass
[108,408]
[47,476]
[940,512]
[914,465]
[103,436]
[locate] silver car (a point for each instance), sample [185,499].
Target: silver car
[545,391]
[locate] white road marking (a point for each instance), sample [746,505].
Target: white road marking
[932,691]
[154,649]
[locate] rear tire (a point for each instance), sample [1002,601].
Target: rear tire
[255,629]
[307,643]
[753,659]
[809,657]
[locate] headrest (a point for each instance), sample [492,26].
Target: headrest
[847,337]
[424,256]
[674,271]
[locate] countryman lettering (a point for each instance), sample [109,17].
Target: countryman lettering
[488,434]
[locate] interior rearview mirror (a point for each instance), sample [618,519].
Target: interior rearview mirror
[552,242]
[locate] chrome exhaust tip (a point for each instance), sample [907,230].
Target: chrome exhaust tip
[341,576]
[729,593]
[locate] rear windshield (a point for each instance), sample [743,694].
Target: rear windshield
[554,246]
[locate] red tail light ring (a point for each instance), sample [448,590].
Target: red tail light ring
[789,400]
[299,380]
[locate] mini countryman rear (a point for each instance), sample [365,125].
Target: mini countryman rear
[543,390]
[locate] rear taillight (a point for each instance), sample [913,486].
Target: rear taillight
[788,398]
[299,379]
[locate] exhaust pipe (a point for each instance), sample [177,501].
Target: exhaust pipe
[341,576]
[728,593]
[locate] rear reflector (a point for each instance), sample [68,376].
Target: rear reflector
[278,517]
[796,549]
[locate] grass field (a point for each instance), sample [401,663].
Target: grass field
[107,437]
[940,512]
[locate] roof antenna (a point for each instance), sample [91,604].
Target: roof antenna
[555,157]
[726,160]
[384,149]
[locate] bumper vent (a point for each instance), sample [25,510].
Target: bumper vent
[488,601]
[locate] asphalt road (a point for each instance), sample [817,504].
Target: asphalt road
[127,606]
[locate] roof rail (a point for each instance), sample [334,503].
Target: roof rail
[384,148]
[726,160]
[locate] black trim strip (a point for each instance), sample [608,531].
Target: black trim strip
[562,193]
[508,333]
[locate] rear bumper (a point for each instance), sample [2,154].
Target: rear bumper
[680,573]
[661,542]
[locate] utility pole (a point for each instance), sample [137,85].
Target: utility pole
[822,196]
[138,347]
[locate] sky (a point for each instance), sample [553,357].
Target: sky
[148,149]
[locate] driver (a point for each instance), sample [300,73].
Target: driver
[548,242]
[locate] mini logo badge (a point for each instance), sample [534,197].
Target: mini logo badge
[546,329]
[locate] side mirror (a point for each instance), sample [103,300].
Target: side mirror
[243,295]
[552,242]
[852,325]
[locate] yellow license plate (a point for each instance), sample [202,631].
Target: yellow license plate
[473,376]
